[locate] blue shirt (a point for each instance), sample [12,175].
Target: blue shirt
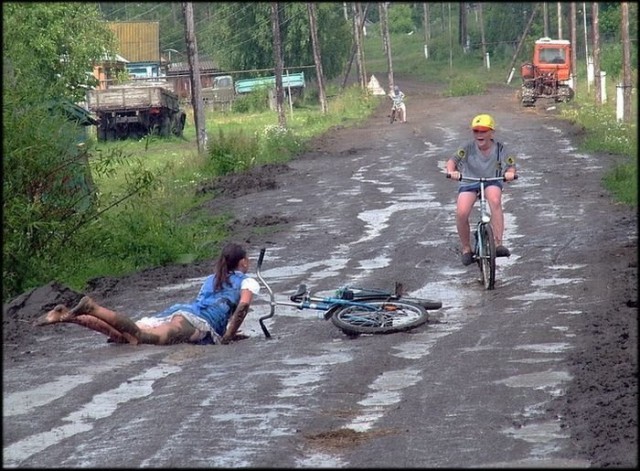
[214,307]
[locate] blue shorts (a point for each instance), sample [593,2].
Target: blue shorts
[475,186]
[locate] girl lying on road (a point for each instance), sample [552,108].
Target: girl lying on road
[213,317]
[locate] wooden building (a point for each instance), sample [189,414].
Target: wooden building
[178,76]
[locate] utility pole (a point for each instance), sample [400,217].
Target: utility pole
[545,19]
[462,25]
[559,20]
[277,51]
[524,35]
[574,47]
[354,49]
[485,55]
[358,22]
[386,42]
[626,63]
[427,28]
[597,83]
[194,73]
[427,22]
[317,58]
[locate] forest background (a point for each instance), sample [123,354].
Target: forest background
[145,194]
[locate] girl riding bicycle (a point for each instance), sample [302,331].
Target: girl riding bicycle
[482,157]
[398,103]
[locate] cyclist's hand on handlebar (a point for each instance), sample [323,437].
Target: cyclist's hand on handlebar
[455,175]
[510,176]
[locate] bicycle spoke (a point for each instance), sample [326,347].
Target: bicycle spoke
[389,316]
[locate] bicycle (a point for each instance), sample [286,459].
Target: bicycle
[396,111]
[394,114]
[484,246]
[356,310]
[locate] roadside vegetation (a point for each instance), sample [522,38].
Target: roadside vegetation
[146,206]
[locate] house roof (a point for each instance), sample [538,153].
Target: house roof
[178,68]
[116,58]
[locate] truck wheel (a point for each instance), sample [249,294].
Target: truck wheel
[179,121]
[102,133]
[165,127]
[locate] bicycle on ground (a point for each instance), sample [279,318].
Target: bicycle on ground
[484,244]
[356,310]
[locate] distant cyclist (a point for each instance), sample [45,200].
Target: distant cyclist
[398,101]
[482,157]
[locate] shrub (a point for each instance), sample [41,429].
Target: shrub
[231,152]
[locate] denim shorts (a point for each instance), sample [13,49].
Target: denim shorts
[475,186]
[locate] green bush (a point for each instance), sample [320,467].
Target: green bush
[465,85]
[231,152]
[278,144]
[256,101]
[46,195]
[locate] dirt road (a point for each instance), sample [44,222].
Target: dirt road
[540,372]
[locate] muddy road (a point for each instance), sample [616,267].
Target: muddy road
[541,371]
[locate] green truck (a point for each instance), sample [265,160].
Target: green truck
[135,111]
[224,91]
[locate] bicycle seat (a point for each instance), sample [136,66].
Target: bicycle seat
[298,295]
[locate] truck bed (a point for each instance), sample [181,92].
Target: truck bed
[126,98]
[288,80]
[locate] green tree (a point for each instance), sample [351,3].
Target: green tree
[48,53]
[239,36]
[51,47]
[400,18]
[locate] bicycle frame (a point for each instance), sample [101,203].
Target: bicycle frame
[484,249]
[365,299]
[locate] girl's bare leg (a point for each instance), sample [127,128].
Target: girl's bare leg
[121,323]
[178,330]
[118,326]
[101,326]
[61,313]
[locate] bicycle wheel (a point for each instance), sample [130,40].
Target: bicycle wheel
[393,115]
[487,258]
[387,318]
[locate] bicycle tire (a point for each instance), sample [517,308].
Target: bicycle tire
[487,259]
[393,115]
[390,317]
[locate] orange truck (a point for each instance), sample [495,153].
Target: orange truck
[549,75]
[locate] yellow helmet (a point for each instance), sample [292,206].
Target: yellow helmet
[483,122]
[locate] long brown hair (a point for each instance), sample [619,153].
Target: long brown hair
[227,262]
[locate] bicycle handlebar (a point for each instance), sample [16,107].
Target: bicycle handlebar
[266,285]
[482,179]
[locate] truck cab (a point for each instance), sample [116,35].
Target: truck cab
[553,55]
[548,75]
[221,94]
